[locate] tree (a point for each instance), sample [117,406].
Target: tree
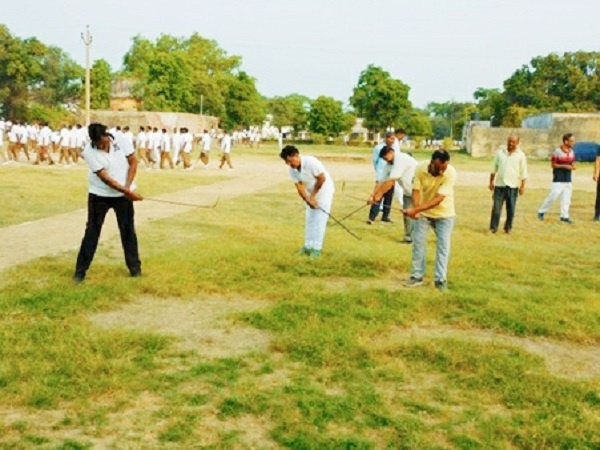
[181,74]
[454,114]
[100,84]
[417,124]
[291,110]
[569,82]
[327,117]
[490,105]
[32,73]
[243,104]
[380,99]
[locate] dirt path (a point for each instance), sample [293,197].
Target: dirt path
[26,241]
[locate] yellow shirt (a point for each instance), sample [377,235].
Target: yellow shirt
[510,169]
[431,186]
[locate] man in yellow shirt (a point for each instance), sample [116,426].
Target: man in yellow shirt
[433,199]
[509,170]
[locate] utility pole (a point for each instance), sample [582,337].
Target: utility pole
[201,102]
[87,40]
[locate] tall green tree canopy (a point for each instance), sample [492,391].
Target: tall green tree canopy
[291,110]
[327,116]
[380,99]
[185,74]
[100,84]
[569,82]
[32,73]
[243,103]
[449,118]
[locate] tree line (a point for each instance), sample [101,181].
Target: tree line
[194,74]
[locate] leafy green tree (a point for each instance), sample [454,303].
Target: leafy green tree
[491,105]
[100,84]
[291,110]
[569,82]
[417,123]
[454,114]
[243,104]
[327,117]
[380,99]
[181,74]
[32,73]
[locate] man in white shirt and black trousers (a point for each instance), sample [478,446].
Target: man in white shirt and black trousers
[113,167]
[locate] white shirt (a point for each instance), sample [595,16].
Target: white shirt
[73,134]
[114,162]
[80,137]
[12,134]
[44,136]
[128,136]
[64,137]
[402,170]
[177,141]
[226,144]
[156,140]
[186,142]
[141,140]
[310,168]
[165,142]
[206,141]
[22,134]
[397,145]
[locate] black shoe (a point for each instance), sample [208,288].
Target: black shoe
[566,219]
[78,279]
[136,273]
[387,219]
[493,231]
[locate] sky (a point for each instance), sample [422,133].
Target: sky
[443,49]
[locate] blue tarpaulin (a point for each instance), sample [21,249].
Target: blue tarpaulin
[586,151]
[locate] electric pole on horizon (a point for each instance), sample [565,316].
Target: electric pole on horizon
[87,40]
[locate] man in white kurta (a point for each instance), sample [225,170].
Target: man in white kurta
[315,186]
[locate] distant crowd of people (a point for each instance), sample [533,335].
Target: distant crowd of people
[155,148]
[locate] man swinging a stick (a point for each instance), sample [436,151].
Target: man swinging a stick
[399,170]
[315,187]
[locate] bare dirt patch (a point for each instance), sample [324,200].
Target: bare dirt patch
[562,359]
[204,325]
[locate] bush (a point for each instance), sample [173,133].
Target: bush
[318,138]
[54,115]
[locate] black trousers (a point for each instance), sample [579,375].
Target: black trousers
[387,206]
[501,195]
[597,213]
[97,209]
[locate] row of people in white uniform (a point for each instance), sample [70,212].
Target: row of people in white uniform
[153,146]
[40,139]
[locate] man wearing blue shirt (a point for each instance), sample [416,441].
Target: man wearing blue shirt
[379,164]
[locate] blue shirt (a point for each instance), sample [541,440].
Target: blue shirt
[379,164]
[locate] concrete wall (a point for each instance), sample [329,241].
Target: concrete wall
[539,134]
[585,127]
[195,122]
[125,104]
[484,142]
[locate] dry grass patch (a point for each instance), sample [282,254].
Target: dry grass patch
[244,432]
[562,359]
[205,326]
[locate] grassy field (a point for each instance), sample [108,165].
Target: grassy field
[231,340]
